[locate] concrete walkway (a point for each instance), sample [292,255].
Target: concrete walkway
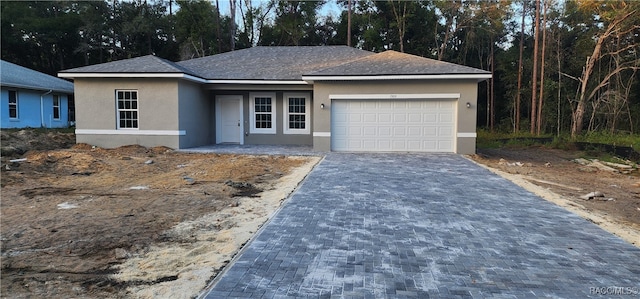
[425,226]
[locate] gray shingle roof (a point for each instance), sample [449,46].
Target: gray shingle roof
[13,75]
[143,64]
[396,63]
[271,63]
[285,63]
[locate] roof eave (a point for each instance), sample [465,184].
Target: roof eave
[132,75]
[478,77]
[38,88]
[257,82]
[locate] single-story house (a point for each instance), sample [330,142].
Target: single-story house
[31,99]
[330,97]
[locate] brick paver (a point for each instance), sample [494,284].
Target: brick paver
[425,226]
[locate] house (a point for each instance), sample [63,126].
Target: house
[31,99]
[330,97]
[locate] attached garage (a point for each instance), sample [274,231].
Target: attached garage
[385,125]
[396,102]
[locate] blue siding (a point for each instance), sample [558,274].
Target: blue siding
[29,110]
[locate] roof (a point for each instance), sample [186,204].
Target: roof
[271,63]
[13,75]
[285,65]
[396,63]
[140,65]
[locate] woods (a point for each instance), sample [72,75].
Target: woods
[559,67]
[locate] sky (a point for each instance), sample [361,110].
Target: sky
[330,8]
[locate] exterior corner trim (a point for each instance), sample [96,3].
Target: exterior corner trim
[321,134]
[467,135]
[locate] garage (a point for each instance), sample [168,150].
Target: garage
[391,125]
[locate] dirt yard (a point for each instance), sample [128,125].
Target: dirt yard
[135,222]
[553,175]
[131,222]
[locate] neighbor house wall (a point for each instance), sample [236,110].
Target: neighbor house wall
[269,139]
[95,102]
[466,117]
[31,112]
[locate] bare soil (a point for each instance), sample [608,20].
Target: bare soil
[131,222]
[552,174]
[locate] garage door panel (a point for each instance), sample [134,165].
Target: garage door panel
[384,131]
[393,125]
[399,118]
[370,131]
[414,132]
[385,118]
[414,117]
[370,118]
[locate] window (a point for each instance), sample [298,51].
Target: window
[127,101]
[263,113]
[56,107]
[296,113]
[13,104]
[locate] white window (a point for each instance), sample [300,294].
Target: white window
[263,113]
[56,107]
[13,104]
[127,108]
[296,113]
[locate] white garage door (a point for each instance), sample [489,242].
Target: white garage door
[393,125]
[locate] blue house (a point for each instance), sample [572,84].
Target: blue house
[31,99]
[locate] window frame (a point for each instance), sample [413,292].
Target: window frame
[55,101]
[136,110]
[285,113]
[252,113]
[15,104]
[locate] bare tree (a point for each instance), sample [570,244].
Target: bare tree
[400,14]
[583,95]
[232,26]
[534,80]
[543,62]
[520,69]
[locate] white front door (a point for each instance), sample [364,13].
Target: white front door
[229,124]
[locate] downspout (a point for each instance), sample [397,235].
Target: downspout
[42,123]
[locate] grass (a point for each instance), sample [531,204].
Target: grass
[631,140]
[487,139]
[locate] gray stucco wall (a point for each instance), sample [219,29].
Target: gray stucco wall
[279,137]
[96,111]
[466,117]
[194,115]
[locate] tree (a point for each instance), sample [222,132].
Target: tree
[516,127]
[294,24]
[619,20]
[195,29]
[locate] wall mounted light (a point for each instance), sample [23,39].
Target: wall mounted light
[322,106]
[468,105]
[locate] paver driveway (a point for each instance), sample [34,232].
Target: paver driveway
[426,226]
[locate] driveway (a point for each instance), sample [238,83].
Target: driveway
[425,226]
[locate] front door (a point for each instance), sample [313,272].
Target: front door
[229,119]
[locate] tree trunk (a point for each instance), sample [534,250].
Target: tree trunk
[232,10]
[349,23]
[400,21]
[520,69]
[542,63]
[219,33]
[492,82]
[577,118]
[534,83]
